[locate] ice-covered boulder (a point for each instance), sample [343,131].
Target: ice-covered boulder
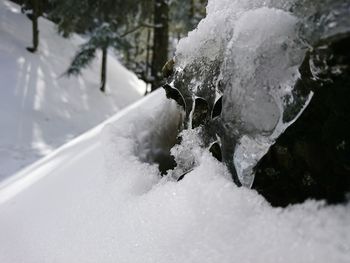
[248,55]
[312,158]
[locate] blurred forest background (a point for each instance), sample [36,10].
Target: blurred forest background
[143,33]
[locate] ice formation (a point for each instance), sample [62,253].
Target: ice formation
[251,52]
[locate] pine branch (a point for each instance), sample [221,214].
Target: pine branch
[81,60]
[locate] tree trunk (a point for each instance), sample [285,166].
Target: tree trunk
[148,51]
[191,11]
[148,62]
[35,6]
[103,70]
[160,41]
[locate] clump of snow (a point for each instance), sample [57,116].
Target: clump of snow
[39,108]
[215,31]
[87,211]
[188,153]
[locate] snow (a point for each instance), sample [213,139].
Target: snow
[100,198]
[94,200]
[39,108]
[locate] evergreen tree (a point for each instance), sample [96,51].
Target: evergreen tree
[103,21]
[147,54]
[137,55]
[172,20]
[144,37]
[185,16]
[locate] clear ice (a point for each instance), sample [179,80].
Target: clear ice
[250,52]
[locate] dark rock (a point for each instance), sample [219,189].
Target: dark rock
[215,150]
[200,114]
[312,158]
[173,93]
[217,109]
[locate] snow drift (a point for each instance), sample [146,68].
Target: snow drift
[87,208]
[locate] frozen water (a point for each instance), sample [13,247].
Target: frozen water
[187,154]
[259,69]
[251,52]
[259,73]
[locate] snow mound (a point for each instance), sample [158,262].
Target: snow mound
[117,208]
[39,108]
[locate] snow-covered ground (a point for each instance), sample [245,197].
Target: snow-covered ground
[39,108]
[94,201]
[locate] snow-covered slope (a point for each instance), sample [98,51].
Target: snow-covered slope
[39,108]
[93,200]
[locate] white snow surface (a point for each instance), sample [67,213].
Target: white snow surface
[94,201]
[39,108]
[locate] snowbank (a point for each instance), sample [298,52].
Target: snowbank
[39,108]
[87,208]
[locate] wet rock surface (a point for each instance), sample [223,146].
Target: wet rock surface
[312,158]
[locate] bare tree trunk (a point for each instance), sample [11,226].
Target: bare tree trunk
[192,10]
[104,70]
[160,41]
[148,52]
[35,6]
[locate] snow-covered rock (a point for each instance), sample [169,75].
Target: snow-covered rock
[250,52]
